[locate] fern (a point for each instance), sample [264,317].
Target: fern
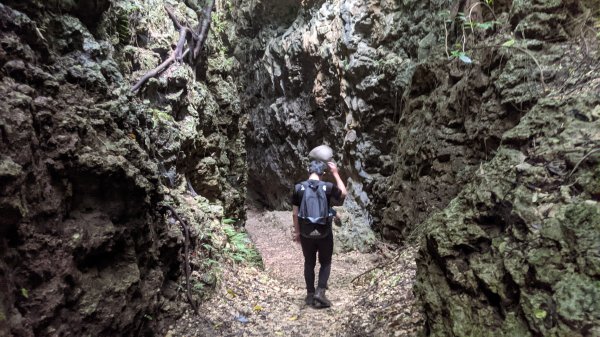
[241,249]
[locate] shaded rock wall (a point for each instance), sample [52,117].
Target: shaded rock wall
[515,252]
[84,165]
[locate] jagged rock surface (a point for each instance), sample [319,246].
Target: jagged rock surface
[494,168]
[515,253]
[354,75]
[419,137]
[85,164]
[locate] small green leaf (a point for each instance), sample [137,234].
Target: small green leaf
[509,43]
[228,221]
[24,292]
[539,313]
[485,25]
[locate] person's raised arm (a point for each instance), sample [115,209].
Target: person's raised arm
[340,184]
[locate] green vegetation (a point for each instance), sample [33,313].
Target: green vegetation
[161,117]
[239,248]
[218,22]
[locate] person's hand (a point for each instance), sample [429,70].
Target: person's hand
[332,167]
[297,237]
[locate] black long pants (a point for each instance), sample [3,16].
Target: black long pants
[310,247]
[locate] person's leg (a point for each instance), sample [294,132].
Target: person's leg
[325,252]
[325,248]
[309,250]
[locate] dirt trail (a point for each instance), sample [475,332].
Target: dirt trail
[270,302]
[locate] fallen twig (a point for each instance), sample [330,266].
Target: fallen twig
[379,266]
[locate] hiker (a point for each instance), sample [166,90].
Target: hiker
[312,200]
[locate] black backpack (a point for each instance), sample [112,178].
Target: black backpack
[313,213]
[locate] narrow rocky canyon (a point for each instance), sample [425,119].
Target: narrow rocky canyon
[467,133]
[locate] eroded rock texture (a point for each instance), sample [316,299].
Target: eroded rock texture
[461,152]
[84,246]
[329,72]
[409,131]
[515,253]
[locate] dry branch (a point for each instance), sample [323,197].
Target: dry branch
[173,17]
[179,49]
[582,160]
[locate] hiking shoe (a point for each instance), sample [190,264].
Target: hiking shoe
[309,300]
[320,297]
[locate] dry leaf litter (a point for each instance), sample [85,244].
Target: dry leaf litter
[371,292]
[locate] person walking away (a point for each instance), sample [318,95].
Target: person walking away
[312,216]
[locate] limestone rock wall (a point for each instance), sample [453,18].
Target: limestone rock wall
[473,155]
[330,72]
[368,78]
[514,253]
[85,248]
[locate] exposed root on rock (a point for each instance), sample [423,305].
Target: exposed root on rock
[186,234]
[195,44]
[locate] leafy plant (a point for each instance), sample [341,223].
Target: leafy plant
[466,22]
[240,248]
[198,286]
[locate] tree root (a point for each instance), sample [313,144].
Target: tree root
[195,44]
[203,33]
[186,233]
